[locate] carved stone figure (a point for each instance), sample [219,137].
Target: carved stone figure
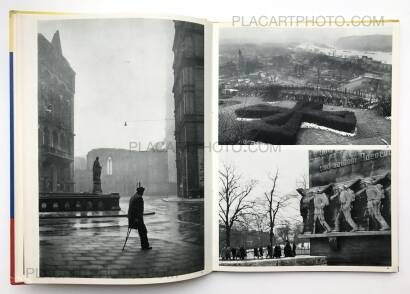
[320,201]
[346,198]
[97,176]
[375,194]
[304,210]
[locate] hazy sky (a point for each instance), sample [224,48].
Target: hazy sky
[292,165]
[296,34]
[123,73]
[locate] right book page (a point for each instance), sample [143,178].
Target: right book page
[306,159]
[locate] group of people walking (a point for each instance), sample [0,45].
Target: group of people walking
[232,253]
[228,253]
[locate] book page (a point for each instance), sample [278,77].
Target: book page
[115,191]
[306,165]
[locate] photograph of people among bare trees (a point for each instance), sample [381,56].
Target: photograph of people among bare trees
[305,86]
[305,208]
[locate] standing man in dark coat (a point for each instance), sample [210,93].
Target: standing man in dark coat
[136,216]
[294,248]
[242,253]
[277,251]
[255,252]
[288,250]
[233,253]
[270,254]
[261,252]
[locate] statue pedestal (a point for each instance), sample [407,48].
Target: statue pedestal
[49,202]
[367,248]
[97,187]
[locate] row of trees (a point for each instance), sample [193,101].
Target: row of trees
[238,209]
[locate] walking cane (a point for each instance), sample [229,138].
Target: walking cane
[126,239]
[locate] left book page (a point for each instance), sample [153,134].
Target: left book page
[109,159]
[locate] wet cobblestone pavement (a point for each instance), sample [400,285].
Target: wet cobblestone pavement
[92,247]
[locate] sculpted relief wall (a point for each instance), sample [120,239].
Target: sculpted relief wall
[349,192]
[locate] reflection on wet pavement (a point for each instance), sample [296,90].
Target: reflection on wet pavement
[172,220]
[176,225]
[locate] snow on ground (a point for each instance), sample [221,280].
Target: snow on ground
[306,125]
[246,119]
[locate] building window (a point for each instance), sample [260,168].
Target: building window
[54,141]
[109,166]
[69,142]
[189,102]
[40,137]
[46,137]
[63,143]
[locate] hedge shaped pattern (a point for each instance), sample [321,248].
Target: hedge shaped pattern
[280,125]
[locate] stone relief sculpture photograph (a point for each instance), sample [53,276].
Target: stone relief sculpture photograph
[121,148]
[305,86]
[305,208]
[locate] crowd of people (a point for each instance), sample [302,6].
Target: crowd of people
[233,253]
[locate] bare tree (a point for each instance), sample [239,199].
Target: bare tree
[259,218]
[244,225]
[233,200]
[284,230]
[273,203]
[298,231]
[302,182]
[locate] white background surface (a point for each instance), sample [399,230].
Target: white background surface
[223,11]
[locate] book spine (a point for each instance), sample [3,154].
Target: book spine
[11,85]
[12,251]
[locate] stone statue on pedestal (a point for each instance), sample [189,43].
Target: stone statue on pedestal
[97,177]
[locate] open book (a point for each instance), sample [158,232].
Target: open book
[153,149]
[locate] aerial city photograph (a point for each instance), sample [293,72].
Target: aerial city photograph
[310,86]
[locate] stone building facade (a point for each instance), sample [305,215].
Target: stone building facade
[122,169]
[56,88]
[188,92]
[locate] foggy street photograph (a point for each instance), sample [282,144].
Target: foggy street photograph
[121,162]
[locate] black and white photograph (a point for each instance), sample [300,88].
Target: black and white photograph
[120,147]
[215,148]
[305,208]
[305,86]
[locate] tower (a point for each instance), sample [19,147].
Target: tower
[241,62]
[56,87]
